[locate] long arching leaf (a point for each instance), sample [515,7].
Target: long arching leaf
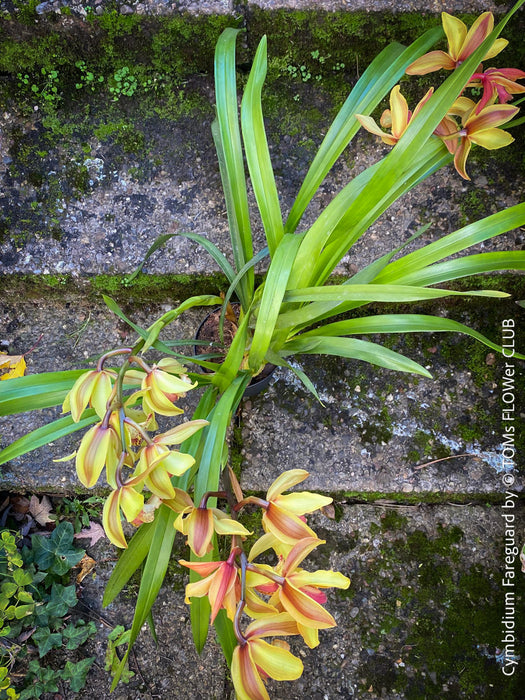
[36,391]
[46,434]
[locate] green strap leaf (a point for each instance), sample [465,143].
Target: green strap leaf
[47,433]
[380,293]
[473,234]
[354,349]
[272,296]
[36,391]
[129,561]
[400,323]
[257,153]
[227,137]
[210,247]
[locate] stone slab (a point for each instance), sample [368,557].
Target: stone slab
[375,432]
[387,432]
[422,617]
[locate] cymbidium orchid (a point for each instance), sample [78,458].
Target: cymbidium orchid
[128,499]
[397,118]
[161,389]
[297,590]
[99,448]
[199,523]
[499,84]
[461,44]
[91,389]
[480,128]
[159,463]
[218,584]
[255,657]
[281,513]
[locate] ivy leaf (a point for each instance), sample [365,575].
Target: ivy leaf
[78,634]
[76,674]
[46,640]
[56,554]
[62,599]
[42,680]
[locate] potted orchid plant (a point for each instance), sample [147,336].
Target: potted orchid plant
[289,313]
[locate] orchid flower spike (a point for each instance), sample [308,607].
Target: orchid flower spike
[461,44]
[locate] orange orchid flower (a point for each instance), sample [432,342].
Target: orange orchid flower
[497,83]
[282,513]
[297,591]
[480,128]
[254,657]
[461,44]
[218,584]
[199,523]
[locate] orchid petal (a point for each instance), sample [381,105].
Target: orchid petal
[285,525]
[299,552]
[399,111]
[203,568]
[221,584]
[301,502]
[460,157]
[369,124]
[479,31]
[496,48]
[491,139]
[491,116]
[111,520]
[309,635]
[280,625]
[131,502]
[430,62]
[320,579]
[101,391]
[303,609]
[181,432]
[245,677]
[285,481]
[456,33]
[199,525]
[276,662]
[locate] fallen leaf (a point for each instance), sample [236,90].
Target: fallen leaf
[19,507]
[11,366]
[329,511]
[86,566]
[40,510]
[94,533]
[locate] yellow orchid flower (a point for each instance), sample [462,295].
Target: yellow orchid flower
[480,128]
[161,389]
[99,448]
[131,502]
[397,118]
[158,464]
[92,388]
[461,44]
[254,656]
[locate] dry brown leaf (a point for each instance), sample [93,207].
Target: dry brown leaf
[41,510]
[86,566]
[329,511]
[11,366]
[93,533]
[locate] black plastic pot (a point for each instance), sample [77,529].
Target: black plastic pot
[258,383]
